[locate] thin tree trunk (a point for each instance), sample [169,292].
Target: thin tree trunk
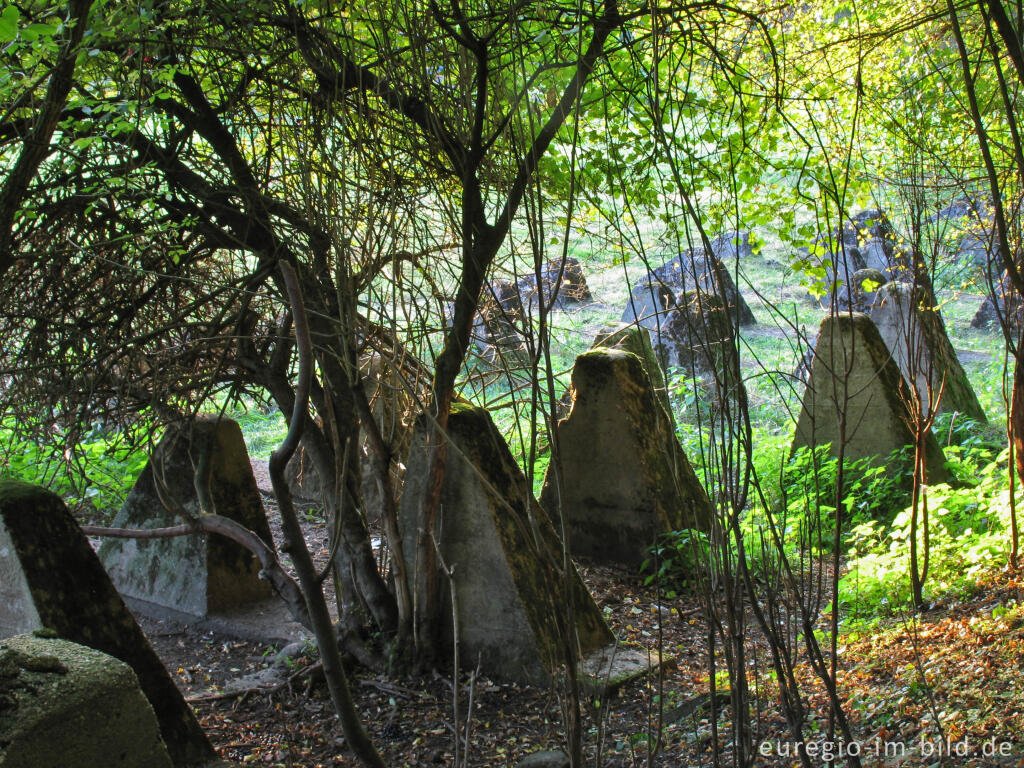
[295,544]
[1016,448]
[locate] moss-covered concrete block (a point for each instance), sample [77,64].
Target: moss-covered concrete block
[607,669]
[512,585]
[62,704]
[697,272]
[636,339]
[912,328]
[69,592]
[857,396]
[650,303]
[624,477]
[193,575]
[697,335]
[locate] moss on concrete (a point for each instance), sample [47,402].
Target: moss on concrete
[625,478]
[74,707]
[515,596]
[73,596]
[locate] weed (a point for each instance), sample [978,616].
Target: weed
[676,560]
[967,529]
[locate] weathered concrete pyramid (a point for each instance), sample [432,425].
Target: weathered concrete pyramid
[697,334]
[190,575]
[913,331]
[625,478]
[50,577]
[510,589]
[695,272]
[74,707]
[649,304]
[853,371]
[636,339]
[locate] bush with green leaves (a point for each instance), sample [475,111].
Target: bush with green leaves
[967,529]
[801,495]
[676,560]
[93,476]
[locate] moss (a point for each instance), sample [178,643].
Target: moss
[14,661]
[13,491]
[460,406]
[594,368]
[637,340]
[73,595]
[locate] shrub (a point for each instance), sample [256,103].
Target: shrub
[801,497]
[676,560]
[93,477]
[967,528]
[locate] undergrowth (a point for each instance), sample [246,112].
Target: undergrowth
[93,476]
[968,533]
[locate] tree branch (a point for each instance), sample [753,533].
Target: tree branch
[37,144]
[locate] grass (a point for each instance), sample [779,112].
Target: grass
[263,428]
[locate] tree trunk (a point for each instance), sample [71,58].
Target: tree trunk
[1017,443]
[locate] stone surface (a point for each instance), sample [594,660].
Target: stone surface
[625,478]
[607,669]
[1005,303]
[394,387]
[859,294]
[969,228]
[696,334]
[686,330]
[962,208]
[17,608]
[853,372]
[194,575]
[510,589]
[873,235]
[62,704]
[72,594]
[565,276]
[866,241]
[547,758]
[636,339]
[978,249]
[504,294]
[650,303]
[303,478]
[695,271]
[912,328]
[388,384]
[496,330]
[730,246]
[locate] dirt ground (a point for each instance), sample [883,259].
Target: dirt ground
[283,716]
[411,720]
[262,712]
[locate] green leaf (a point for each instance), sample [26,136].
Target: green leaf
[9,24]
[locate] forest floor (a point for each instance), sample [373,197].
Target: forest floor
[943,688]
